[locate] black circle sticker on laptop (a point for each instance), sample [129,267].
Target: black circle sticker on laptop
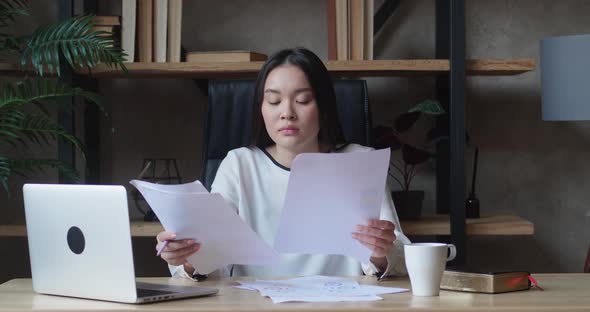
[76,240]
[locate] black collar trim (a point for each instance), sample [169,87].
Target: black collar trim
[274,161]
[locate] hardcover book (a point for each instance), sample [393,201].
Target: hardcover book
[225,56]
[485,282]
[128,20]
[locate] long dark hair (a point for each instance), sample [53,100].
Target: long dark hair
[323,90]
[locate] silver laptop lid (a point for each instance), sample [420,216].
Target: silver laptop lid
[80,241]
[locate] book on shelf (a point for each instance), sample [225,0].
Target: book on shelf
[101,20]
[331,20]
[368,29]
[350,29]
[160,30]
[174,30]
[225,56]
[356,29]
[342,30]
[485,282]
[96,28]
[105,31]
[128,11]
[145,31]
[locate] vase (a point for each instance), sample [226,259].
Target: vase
[408,204]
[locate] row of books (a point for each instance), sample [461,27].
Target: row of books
[151,30]
[350,29]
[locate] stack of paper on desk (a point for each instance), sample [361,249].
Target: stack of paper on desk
[191,212]
[317,289]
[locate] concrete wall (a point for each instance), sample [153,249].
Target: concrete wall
[529,167]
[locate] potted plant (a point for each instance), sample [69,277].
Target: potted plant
[25,105]
[416,145]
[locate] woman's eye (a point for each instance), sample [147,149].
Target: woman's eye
[303,101]
[274,102]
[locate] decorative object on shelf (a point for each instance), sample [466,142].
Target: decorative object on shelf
[415,149]
[25,119]
[155,170]
[472,203]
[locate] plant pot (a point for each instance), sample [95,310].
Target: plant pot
[408,205]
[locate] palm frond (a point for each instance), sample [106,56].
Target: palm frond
[72,39]
[42,129]
[10,126]
[4,173]
[28,167]
[9,43]
[35,90]
[9,9]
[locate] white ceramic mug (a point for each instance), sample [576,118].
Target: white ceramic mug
[426,263]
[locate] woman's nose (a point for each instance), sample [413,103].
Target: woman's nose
[288,113]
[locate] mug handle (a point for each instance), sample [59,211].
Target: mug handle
[452,252]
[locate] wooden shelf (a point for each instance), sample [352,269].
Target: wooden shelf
[427,225]
[375,68]
[486,225]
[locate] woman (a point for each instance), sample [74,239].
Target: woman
[294,112]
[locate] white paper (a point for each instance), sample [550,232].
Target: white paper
[327,196]
[191,187]
[317,289]
[191,212]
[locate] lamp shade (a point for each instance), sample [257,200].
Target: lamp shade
[565,78]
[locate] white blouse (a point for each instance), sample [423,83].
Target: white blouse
[254,185]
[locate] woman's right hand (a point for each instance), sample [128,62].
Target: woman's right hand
[177,251]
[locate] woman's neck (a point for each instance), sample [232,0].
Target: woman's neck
[286,156]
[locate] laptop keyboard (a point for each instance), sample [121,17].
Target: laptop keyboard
[144,292]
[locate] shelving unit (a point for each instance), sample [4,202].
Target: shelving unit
[427,225]
[450,69]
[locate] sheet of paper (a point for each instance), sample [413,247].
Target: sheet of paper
[317,289]
[327,196]
[193,213]
[191,187]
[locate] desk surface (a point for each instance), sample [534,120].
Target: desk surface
[563,292]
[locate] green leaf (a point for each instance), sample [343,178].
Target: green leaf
[32,90]
[9,9]
[72,39]
[28,167]
[431,107]
[4,174]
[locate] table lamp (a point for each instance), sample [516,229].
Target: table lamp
[565,78]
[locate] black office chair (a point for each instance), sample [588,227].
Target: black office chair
[228,124]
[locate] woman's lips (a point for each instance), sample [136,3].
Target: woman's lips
[289,131]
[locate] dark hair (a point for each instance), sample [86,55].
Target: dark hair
[323,91]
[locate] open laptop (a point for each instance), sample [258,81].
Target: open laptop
[80,245]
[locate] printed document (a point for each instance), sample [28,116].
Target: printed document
[327,196]
[317,289]
[191,212]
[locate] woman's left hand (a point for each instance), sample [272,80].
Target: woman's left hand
[377,235]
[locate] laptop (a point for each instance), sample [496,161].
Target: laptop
[80,245]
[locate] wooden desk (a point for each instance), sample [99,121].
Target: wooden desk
[563,292]
[427,225]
